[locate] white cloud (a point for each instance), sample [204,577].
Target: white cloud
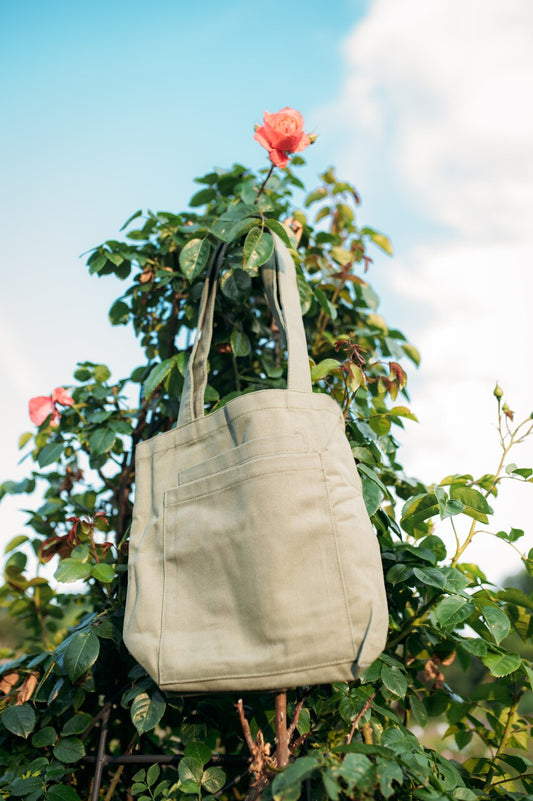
[445,88]
[436,109]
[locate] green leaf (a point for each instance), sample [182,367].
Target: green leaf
[77,724]
[20,539]
[388,772]
[326,305]
[115,258]
[452,611]
[69,749]
[101,441]
[411,352]
[286,785]
[50,453]
[258,248]
[313,197]
[194,257]
[324,368]
[239,228]
[199,751]
[474,646]
[304,721]
[152,774]
[512,536]
[202,197]
[502,664]
[372,495]
[475,503]
[341,255]
[61,792]
[418,709]
[305,293]
[24,438]
[102,373]
[44,737]
[190,769]
[279,229]
[81,652]
[30,786]
[103,572]
[382,241]
[497,621]
[419,508]
[236,285]
[131,219]
[19,720]
[513,595]
[147,710]
[240,344]
[213,779]
[394,680]
[158,375]
[72,570]
[119,313]
[432,576]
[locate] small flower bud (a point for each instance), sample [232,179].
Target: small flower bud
[498,392]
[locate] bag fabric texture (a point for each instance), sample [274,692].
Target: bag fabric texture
[253,564]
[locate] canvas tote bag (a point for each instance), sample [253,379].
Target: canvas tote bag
[253,564]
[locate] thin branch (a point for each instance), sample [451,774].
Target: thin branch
[282,737]
[357,720]
[261,188]
[294,724]
[245,727]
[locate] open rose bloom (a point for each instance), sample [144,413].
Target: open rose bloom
[42,406]
[282,133]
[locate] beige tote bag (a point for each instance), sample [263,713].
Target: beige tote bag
[253,564]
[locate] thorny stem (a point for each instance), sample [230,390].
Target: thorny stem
[507,441]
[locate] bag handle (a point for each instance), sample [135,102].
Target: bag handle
[278,274]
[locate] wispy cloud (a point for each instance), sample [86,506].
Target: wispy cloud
[437,100]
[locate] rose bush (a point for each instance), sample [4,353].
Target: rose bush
[69,689]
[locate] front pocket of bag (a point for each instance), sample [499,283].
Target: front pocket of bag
[253,449]
[252,576]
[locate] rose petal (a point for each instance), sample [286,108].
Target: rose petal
[278,157]
[304,142]
[59,395]
[261,136]
[40,407]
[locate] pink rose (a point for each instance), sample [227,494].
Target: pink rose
[42,406]
[282,133]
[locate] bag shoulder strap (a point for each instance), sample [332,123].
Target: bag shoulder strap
[279,274]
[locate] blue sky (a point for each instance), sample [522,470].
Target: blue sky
[112,106]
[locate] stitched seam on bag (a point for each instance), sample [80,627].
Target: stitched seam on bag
[162,616]
[339,563]
[245,462]
[249,412]
[244,459]
[288,671]
[196,497]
